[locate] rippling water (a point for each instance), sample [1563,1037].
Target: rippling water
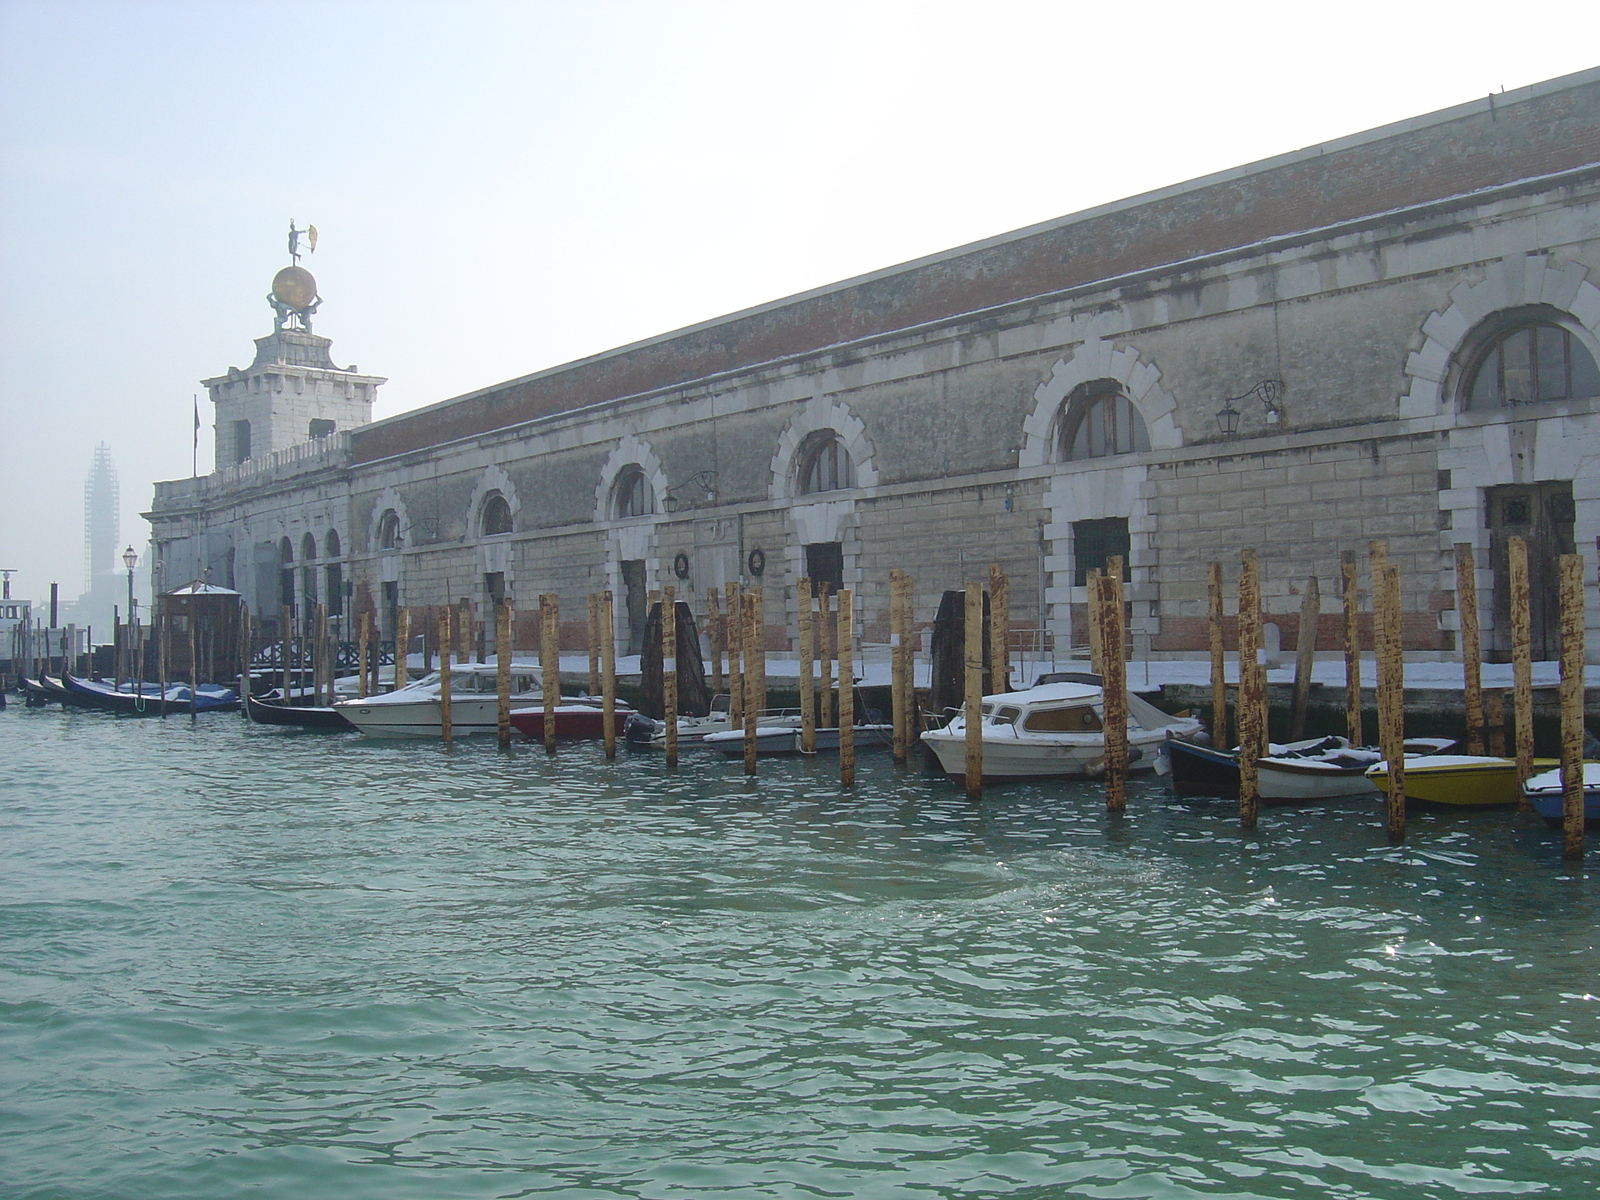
[240,960]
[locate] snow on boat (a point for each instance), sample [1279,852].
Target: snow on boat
[576,719]
[413,711]
[1461,780]
[1545,794]
[1054,731]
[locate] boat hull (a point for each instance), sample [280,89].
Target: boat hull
[574,722]
[301,716]
[420,718]
[1064,756]
[1458,780]
[780,739]
[1545,794]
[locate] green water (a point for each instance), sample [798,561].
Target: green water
[240,961]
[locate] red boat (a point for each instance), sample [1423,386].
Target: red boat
[575,719]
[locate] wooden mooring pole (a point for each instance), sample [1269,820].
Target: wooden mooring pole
[1305,657]
[717,638]
[1391,692]
[1521,664]
[594,643]
[669,670]
[244,662]
[1252,733]
[1471,649]
[899,656]
[1571,692]
[402,641]
[550,662]
[827,632]
[847,690]
[972,661]
[999,630]
[502,671]
[361,656]
[733,637]
[608,675]
[446,733]
[807,666]
[285,647]
[747,626]
[319,664]
[1096,652]
[1219,678]
[1349,592]
[1114,690]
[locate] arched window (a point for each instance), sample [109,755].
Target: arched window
[1529,362]
[1100,421]
[389,531]
[330,544]
[633,496]
[308,547]
[825,465]
[495,516]
[285,551]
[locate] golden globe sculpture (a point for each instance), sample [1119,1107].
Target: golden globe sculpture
[295,288]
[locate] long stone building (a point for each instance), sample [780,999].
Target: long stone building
[1391,336]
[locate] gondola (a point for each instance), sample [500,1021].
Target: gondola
[303,716]
[146,702]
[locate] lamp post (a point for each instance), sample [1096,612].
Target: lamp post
[130,559]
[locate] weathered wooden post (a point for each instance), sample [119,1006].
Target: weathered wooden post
[1391,692]
[502,671]
[320,658]
[446,732]
[826,637]
[734,635]
[716,637]
[847,690]
[972,656]
[284,648]
[402,642]
[747,623]
[608,675]
[1571,707]
[1494,720]
[807,666]
[194,660]
[163,637]
[594,643]
[361,656]
[1305,652]
[550,661]
[1114,690]
[1252,729]
[1219,677]
[758,614]
[1096,651]
[669,670]
[1471,650]
[464,652]
[1352,648]
[999,629]
[897,649]
[244,660]
[1521,664]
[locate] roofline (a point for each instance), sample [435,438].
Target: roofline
[1490,103]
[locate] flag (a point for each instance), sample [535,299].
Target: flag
[197,420]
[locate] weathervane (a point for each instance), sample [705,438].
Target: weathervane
[310,235]
[294,289]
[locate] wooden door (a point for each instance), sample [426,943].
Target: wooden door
[1542,515]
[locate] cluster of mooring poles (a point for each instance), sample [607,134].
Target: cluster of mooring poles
[825,639]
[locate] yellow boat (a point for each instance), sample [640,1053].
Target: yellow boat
[1465,780]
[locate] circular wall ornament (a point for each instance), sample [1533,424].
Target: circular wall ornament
[757,562]
[680,566]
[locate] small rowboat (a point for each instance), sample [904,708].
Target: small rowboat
[1544,792]
[1302,772]
[1459,780]
[785,739]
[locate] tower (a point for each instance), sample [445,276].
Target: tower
[292,392]
[101,506]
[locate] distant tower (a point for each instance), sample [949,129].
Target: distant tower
[101,506]
[292,392]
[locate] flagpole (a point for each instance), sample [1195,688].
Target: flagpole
[194,460]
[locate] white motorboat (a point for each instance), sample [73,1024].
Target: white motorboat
[1329,770]
[413,711]
[1054,731]
[695,731]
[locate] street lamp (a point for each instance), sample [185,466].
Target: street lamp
[130,559]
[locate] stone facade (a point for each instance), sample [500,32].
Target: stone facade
[939,416]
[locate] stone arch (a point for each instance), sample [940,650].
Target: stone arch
[493,479]
[1095,360]
[1531,281]
[629,451]
[816,416]
[387,499]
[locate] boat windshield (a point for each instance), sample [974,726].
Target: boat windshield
[1077,718]
[1006,714]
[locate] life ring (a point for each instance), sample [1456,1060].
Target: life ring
[680,566]
[757,562]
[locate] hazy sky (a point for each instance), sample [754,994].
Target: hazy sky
[502,187]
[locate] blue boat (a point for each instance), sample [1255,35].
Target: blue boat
[1544,793]
[145,699]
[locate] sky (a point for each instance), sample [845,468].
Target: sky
[503,187]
